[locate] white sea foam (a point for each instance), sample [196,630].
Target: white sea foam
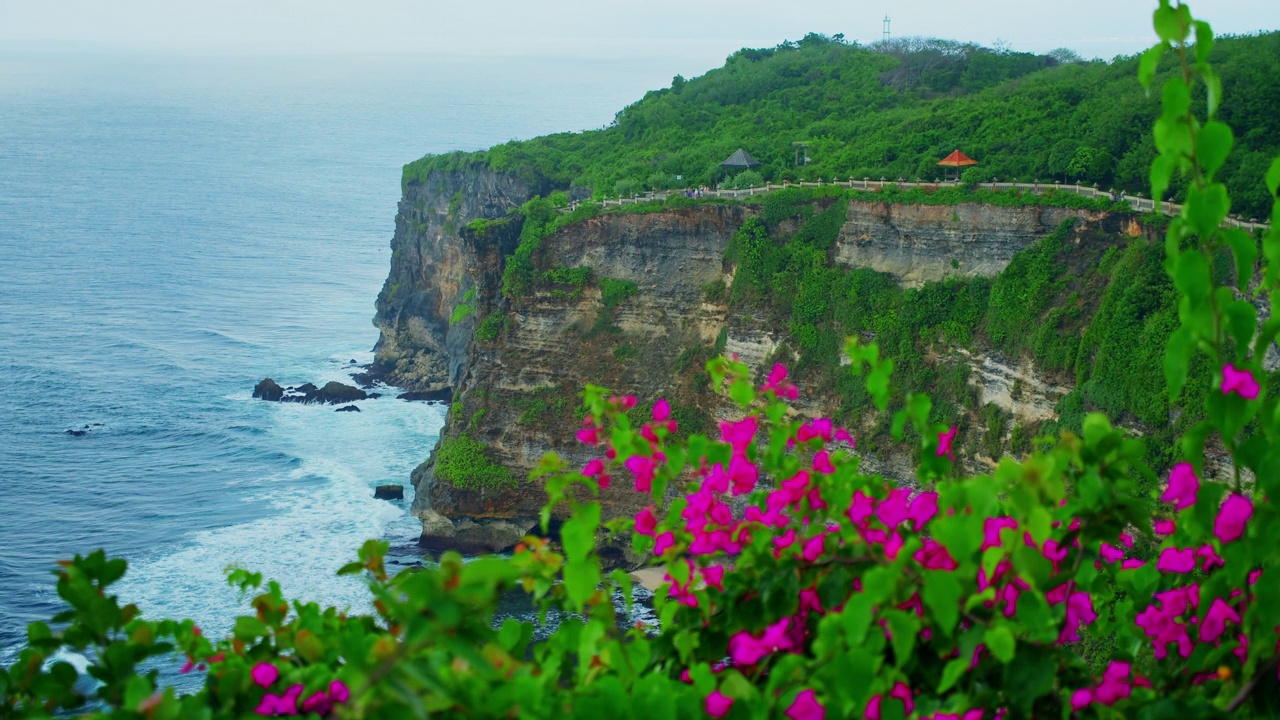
[320,512]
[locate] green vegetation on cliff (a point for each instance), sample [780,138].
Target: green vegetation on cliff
[894,110]
[464,462]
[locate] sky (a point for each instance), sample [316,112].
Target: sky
[701,33]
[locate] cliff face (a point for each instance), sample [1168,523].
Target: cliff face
[919,243]
[434,263]
[516,394]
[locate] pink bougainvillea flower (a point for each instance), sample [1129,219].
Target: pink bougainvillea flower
[593,468]
[339,691]
[743,474]
[714,575]
[815,429]
[893,510]
[646,521]
[589,435]
[644,469]
[844,436]
[1164,527]
[1216,619]
[900,692]
[822,462]
[1240,382]
[746,649]
[1111,553]
[264,674]
[814,547]
[286,704]
[661,410]
[991,529]
[664,542]
[923,508]
[1183,486]
[1173,560]
[717,704]
[1081,698]
[944,443]
[1209,557]
[806,707]
[1115,684]
[1232,517]
[739,434]
[933,556]
[1079,613]
[861,508]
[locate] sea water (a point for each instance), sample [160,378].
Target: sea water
[173,230]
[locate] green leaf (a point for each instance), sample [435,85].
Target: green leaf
[250,628]
[1176,100]
[952,673]
[1244,248]
[1213,144]
[902,629]
[1192,276]
[1204,40]
[1150,61]
[1206,209]
[578,534]
[1161,171]
[1273,177]
[581,578]
[941,597]
[1242,321]
[1213,90]
[1000,642]
[741,392]
[1177,358]
[1168,26]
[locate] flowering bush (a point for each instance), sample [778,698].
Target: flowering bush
[797,585]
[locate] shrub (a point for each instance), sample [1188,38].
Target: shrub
[464,462]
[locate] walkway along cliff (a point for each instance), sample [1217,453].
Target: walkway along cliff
[638,301]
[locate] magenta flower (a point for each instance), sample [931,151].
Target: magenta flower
[1215,621]
[664,542]
[1079,613]
[1232,517]
[1164,527]
[286,704]
[893,510]
[717,704]
[661,410]
[1183,486]
[923,508]
[991,529]
[646,521]
[844,436]
[1240,382]
[1173,560]
[739,434]
[1110,553]
[644,468]
[806,707]
[264,674]
[589,435]
[861,508]
[746,649]
[944,443]
[1081,698]
[743,474]
[714,575]
[822,462]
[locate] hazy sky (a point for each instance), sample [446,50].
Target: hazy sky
[701,32]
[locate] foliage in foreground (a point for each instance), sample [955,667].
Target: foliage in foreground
[1050,587]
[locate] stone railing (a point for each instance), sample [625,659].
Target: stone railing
[1138,203]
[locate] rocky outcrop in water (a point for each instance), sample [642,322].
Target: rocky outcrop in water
[268,390]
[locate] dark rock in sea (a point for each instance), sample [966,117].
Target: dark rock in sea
[352,361]
[389,492]
[366,380]
[374,396]
[268,389]
[441,395]
[78,433]
[348,408]
[308,388]
[335,393]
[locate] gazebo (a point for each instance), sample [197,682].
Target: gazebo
[740,160]
[957,159]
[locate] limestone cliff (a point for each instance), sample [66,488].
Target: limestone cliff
[515,394]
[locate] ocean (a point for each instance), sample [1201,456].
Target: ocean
[175,229]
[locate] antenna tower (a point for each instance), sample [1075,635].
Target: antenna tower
[886,28]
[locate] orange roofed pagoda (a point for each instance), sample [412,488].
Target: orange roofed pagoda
[957,159]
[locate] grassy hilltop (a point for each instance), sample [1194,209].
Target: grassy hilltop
[893,110]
